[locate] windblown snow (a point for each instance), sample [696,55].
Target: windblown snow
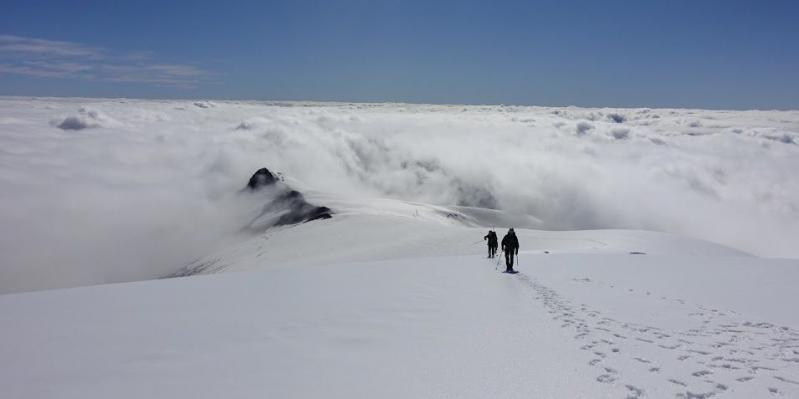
[647,267]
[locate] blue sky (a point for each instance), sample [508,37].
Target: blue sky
[709,54]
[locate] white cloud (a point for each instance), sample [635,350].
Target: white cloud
[42,58]
[29,47]
[148,186]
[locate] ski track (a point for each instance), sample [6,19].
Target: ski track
[724,352]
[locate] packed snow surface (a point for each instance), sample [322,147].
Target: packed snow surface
[105,190]
[570,325]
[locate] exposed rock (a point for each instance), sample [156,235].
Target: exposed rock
[263,177]
[286,206]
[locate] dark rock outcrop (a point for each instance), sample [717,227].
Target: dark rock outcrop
[285,207]
[299,210]
[262,177]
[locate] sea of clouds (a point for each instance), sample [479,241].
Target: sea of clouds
[95,191]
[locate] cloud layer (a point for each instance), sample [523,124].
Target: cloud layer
[147,186]
[42,58]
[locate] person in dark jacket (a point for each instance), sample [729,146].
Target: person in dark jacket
[510,245]
[492,243]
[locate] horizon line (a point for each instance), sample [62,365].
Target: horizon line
[341,102]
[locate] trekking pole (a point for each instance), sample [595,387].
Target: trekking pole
[496,265]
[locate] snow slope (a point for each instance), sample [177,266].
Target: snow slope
[364,230]
[570,324]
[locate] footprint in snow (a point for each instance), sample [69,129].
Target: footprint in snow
[606,378]
[760,340]
[786,380]
[635,392]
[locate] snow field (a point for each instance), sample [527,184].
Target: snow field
[566,326]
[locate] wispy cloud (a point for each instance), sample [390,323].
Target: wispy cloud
[43,58]
[46,48]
